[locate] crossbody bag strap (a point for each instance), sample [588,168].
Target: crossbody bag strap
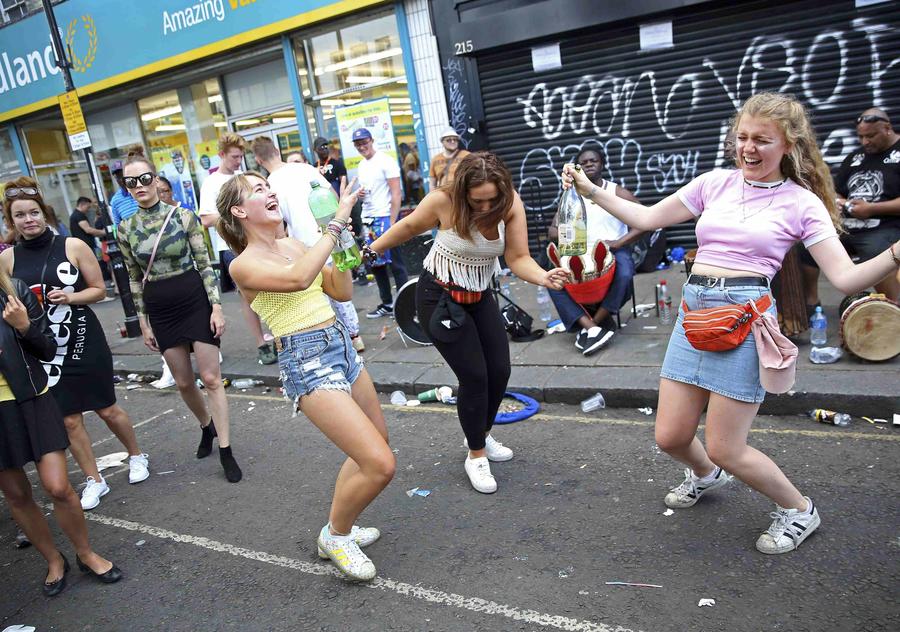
[156,245]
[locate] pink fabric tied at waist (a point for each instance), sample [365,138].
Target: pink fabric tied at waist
[777,355]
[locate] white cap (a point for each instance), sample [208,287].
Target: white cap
[449,132]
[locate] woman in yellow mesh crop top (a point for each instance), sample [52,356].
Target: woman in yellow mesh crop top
[286,283]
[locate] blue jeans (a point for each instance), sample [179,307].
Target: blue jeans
[570,311]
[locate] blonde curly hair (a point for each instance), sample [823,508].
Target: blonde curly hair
[803,163]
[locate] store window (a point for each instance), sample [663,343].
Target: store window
[355,62]
[181,127]
[9,162]
[113,131]
[61,173]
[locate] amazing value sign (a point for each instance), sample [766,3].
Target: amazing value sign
[111,42]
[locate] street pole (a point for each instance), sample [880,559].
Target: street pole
[132,324]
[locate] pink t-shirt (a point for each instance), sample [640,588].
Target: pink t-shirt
[756,235]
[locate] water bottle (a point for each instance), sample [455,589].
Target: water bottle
[543,299]
[246,382]
[323,206]
[830,417]
[665,303]
[571,221]
[819,335]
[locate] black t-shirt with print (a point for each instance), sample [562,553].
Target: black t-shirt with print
[332,171]
[873,178]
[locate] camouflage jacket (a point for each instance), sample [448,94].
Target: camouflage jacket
[182,248]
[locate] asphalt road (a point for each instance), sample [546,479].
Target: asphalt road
[580,505]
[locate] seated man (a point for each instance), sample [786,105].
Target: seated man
[868,194]
[594,323]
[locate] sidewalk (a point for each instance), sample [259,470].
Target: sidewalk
[551,369]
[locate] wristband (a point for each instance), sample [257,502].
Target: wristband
[369,255]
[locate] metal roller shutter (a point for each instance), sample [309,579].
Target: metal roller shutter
[661,116]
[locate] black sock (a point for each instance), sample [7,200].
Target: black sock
[232,472]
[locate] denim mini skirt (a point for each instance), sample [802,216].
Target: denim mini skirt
[734,373]
[318,359]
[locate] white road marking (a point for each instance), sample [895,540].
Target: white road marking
[431,595]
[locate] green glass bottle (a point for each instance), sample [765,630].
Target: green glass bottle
[323,205]
[571,219]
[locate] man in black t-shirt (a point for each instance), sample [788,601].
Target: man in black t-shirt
[332,169]
[868,194]
[80,225]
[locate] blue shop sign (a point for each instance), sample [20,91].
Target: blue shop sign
[115,41]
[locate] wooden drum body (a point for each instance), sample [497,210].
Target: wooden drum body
[870,326]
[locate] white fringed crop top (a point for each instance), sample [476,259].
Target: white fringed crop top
[468,263]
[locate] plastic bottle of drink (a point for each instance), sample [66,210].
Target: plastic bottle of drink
[571,220]
[246,382]
[324,205]
[665,303]
[819,334]
[830,417]
[543,299]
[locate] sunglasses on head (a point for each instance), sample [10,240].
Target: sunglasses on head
[145,179]
[14,192]
[871,118]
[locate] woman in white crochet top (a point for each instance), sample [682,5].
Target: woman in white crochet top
[480,217]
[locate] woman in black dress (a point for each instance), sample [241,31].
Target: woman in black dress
[32,429]
[65,276]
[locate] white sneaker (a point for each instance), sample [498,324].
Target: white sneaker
[363,536]
[346,555]
[689,492]
[93,492]
[138,468]
[166,380]
[789,528]
[479,472]
[495,450]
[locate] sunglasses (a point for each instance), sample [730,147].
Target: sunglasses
[871,118]
[145,179]
[14,192]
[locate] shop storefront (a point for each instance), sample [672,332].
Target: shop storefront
[654,84]
[253,68]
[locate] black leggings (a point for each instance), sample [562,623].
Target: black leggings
[479,357]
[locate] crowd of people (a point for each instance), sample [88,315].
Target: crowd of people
[272,251]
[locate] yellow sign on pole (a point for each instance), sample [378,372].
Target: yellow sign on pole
[74,120]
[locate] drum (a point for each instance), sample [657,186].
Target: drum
[405,315]
[870,326]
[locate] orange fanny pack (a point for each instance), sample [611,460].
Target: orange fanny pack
[459,294]
[721,328]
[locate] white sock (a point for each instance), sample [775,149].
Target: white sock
[709,478]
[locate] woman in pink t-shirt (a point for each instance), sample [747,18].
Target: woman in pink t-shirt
[747,220]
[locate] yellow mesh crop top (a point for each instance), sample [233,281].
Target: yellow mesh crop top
[289,312]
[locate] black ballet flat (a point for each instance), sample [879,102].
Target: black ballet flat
[109,577]
[51,589]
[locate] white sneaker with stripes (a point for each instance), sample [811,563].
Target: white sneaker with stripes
[788,530]
[689,492]
[346,555]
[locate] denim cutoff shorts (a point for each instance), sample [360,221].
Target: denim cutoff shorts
[734,373]
[318,359]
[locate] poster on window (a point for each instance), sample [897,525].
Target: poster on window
[375,116]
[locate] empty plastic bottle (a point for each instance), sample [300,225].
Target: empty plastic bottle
[819,334]
[830,417]
[246,382]
[665,303]
[543,299]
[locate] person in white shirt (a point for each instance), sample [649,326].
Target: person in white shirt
[379,181]
[231,153]
[594,324]
[291,184]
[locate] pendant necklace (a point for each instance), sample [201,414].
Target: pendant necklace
[275,252]
[773,186]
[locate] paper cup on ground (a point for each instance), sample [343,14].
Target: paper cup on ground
[435,394]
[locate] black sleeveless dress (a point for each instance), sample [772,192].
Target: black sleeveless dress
[81,374]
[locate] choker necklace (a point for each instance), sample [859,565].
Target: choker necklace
[771,186]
